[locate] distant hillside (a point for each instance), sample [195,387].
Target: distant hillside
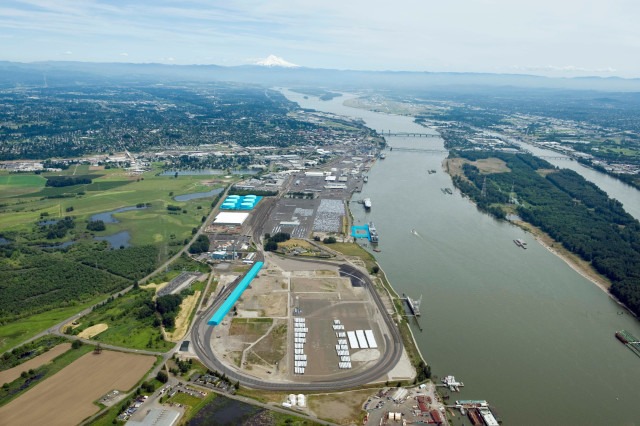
[64,73]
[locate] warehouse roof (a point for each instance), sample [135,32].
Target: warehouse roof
[231,218]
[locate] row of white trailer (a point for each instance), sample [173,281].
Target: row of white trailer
[362,339]
[342,349]
[300,331]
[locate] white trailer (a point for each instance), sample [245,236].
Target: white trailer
[353,340]
[362,340]
[371,339]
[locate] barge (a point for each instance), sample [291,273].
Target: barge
[629,340]
[373,233]
[520,243]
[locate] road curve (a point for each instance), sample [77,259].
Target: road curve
[201,338]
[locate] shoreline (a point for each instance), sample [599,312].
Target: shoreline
[586,272]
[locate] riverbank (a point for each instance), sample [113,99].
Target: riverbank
[454,168]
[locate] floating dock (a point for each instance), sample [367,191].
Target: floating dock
[629,340]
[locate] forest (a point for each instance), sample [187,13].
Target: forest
[36,280]
[570,209]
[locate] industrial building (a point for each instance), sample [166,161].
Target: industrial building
[237,202]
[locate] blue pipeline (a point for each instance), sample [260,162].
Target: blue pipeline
[223,310]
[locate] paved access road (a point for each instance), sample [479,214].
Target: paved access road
[201,338]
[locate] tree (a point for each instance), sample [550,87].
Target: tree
[329,240]
[271,246]
[375,269]
[162,377]
[76,344]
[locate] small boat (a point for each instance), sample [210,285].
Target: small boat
[377,250]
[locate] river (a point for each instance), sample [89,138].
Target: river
[519,327]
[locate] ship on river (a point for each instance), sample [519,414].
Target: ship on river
[367,203]
[413,304]
[373,233]
[629,340]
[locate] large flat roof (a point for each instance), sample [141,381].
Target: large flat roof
[231,218]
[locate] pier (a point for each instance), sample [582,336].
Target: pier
[414,305]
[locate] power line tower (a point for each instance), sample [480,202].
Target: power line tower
[513,198]
[483,193]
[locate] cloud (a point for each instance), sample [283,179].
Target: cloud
[124,54]
[68,52]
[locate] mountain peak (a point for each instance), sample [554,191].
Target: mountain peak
[275,61]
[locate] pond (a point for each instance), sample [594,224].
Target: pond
[117,240]
[196,195]
[107,217]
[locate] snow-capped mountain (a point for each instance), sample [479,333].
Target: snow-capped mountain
[275,61]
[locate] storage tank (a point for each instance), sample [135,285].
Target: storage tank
[250,197]
[292,399]
[233,197]
[301,400]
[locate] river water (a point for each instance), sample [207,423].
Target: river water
[520,328]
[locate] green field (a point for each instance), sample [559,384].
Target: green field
[16,184]
[13,333]
[130,323]
[24,202]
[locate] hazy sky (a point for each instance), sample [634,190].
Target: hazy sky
[551,37]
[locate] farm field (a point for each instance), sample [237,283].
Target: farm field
[83,382]
[11,374]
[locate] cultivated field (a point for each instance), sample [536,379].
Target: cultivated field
[67,397]
[8,376]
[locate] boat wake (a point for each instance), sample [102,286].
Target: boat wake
[414,232]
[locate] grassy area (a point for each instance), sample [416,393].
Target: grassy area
[130,322]
[252,328]
[193,404]
[111,189]
[33,377]
[272,347]
[18,331]
[353,249]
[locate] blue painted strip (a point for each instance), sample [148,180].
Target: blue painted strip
[224,309]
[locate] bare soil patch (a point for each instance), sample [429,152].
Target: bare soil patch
[182,320]
[272,347]
[8,376]
[67,397]
[491,165]
[92,331]
[486,166]
[274,304]
[545,172]
[343,408]
[249,328]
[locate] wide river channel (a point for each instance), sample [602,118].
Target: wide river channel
[520,328]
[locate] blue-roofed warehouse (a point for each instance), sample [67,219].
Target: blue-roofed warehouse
[226,306]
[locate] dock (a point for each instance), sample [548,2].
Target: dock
[451,383]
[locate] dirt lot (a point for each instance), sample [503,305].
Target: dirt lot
[343,408]
[182,320]
[486,166]
[67,397]
[11,374]
[92,331]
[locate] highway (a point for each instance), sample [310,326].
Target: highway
[201,334]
